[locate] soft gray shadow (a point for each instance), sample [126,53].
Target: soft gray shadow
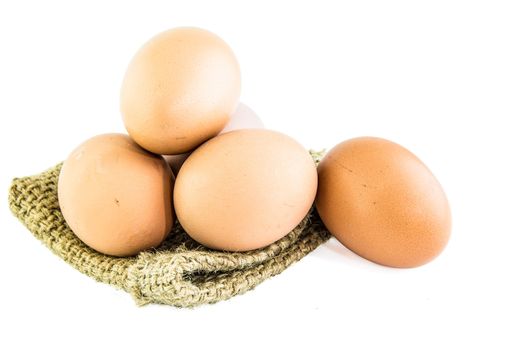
[334,251]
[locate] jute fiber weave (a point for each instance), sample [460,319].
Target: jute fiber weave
[180,272]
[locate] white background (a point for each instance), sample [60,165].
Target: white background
[443,78]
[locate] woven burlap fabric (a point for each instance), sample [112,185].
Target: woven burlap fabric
[180,272]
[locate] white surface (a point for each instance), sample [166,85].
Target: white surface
[443,78]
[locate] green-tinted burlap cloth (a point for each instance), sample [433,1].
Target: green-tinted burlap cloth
[180,272]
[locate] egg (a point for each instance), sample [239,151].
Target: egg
[379,200]
[115,196]
[242,118]
[179,90]
[245,189]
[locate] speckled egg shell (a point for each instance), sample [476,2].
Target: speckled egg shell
[383,203]
[245,189]
[179,90]
[115,196]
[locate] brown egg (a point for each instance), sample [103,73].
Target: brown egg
[383,203]
[245,189]
[179,90]
[115,196]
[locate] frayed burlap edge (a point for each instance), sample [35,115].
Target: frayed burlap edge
[180,272]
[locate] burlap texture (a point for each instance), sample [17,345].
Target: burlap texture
[180,272]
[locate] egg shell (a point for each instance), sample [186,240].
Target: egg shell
[245,189]
[115,196]
[379,200]
[179,90]
[242,118]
